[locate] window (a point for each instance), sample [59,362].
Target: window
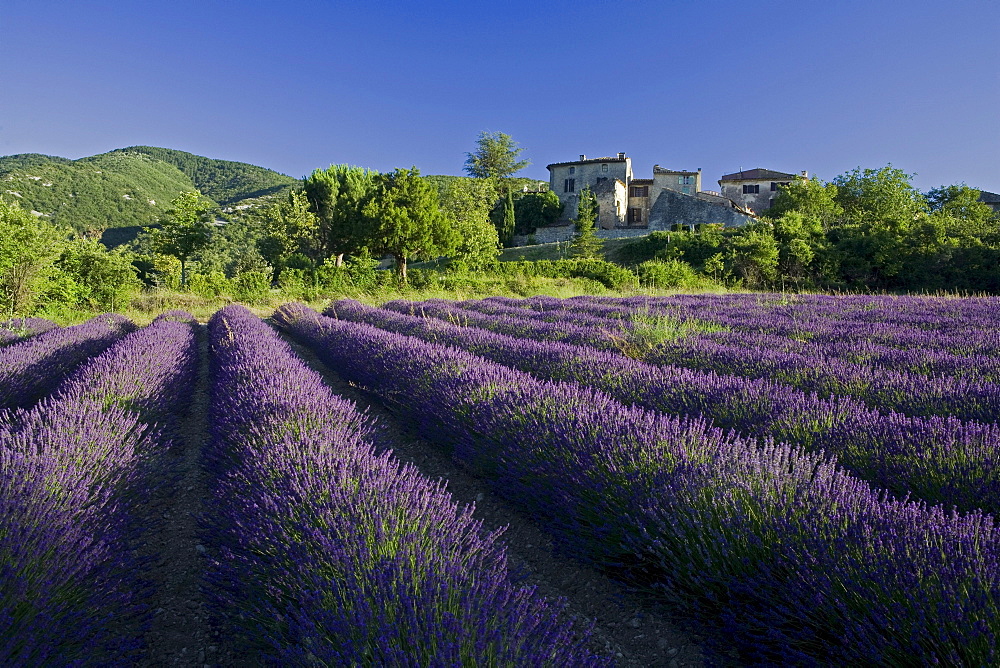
[639,191]
[774,186]
[569,185]
[635,215]
[685,180]
[572,170]
[751,189]
[686,190]
[604,167]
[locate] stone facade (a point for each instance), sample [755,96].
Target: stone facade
[628,203]
[568,179]
[754,190]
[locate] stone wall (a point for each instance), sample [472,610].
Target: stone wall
[674,208]
[550,235]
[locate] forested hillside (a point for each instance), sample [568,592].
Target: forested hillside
[93,193]
[224,181]
[127,187]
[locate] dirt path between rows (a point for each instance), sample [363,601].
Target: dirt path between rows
[638,632]
[180,634]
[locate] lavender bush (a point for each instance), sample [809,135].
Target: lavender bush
[326,552]
[72,470]
[798,560]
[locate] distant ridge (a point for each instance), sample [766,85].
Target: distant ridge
[225,181]
[128,187]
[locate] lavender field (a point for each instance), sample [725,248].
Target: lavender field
[763,479]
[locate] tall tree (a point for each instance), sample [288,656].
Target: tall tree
[337,195]
[185,229]
[468,202]
[496,157]
[586,244]
[403,218]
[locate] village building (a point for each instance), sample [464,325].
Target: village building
[755,189]
[629,206]
[991,200]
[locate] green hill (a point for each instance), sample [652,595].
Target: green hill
[98,192]
[224,181]
[129,187]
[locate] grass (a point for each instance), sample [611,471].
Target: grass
[151,303]
[558,250]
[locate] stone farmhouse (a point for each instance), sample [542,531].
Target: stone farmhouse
[755,189]
[630,206]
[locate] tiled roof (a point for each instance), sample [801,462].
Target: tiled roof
[987,197]
[586,162]
[641,182]
[758,174]
[663,170]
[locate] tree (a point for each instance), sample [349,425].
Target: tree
[468,203]
[961,203]
[91,276]
[507,221]
[291,228]
[337,195]
[496,157]
[403,218]
[534,210]
[28,247]
[815,200]
[185,229]
[881,197]
[585,243]
[754,254]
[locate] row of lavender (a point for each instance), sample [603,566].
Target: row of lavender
[939,460]
[16,329]
[797,559]
[755,355]
[327,552]
[939,326]
[73,472]
[31,369]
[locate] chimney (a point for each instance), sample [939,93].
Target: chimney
[805,174]
[582,157]
[699,169]
[621,155]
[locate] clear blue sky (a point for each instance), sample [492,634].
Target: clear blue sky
[824,86]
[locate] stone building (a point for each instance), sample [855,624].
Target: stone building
[755,189]
[625,203]
[991,200]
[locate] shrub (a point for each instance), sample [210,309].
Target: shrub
[667,274]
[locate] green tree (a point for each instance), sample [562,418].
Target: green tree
[585,243]
[879,197]
[961,203]
[496,157]
[290,228]
[337,195]
[468,203]
[814,200]
[28,247]
[403,218]
[753,254]
[186,229]
[506,222]
[534,210]
[91,276]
